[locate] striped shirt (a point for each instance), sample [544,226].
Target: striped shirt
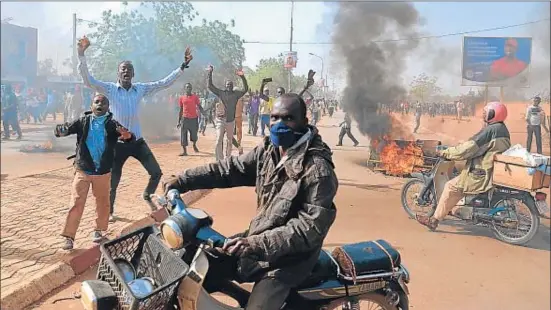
[125,104]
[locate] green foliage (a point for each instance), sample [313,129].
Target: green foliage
[154,38]
[424,87]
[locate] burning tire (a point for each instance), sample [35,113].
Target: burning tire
[410,195]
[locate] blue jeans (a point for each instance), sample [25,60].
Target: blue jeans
[264,121]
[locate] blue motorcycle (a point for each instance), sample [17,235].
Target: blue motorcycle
[377,279]
[511,214]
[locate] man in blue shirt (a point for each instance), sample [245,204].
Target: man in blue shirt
[125,98]
[97,134]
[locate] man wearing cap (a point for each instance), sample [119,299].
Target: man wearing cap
[509,65]
[535,118]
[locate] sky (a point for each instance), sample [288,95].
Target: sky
[312,23]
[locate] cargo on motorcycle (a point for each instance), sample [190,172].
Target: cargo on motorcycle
[510,211]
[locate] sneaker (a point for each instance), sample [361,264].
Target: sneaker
[68,244]
[97,236]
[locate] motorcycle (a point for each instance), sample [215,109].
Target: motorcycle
[498,208]
[379,281]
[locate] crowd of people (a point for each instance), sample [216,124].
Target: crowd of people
[34,105]
[292,167]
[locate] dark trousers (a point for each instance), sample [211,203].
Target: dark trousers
[141,151]
[534,130]
[346,131]
[264,123]
[253,124]
[267,294]
[417,123]
[10,119]
[190,125]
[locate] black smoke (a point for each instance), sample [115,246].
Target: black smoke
[374,69]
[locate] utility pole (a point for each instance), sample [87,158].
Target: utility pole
[291,45]
[74,45]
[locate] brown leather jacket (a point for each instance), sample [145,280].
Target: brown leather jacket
[294,205]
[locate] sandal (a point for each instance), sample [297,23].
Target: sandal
[430,222]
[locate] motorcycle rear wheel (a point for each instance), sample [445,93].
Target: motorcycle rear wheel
[534,218]
[409,190]
[369,301]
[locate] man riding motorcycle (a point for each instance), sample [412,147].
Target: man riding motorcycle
[479,153]
[295,182]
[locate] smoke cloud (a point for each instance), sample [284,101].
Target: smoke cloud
[374,70]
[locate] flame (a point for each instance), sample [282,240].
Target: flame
[395,160]
[47,146]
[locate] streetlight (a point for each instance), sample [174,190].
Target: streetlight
[323,80]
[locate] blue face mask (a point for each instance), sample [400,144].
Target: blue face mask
[282,135]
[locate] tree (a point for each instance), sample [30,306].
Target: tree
[46,67]
[154,38]
[424,87]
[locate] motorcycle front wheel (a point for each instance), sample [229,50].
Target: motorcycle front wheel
[410,193]
[525,225]
[369,301]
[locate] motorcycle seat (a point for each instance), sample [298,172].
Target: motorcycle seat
[366,258]
[324,270]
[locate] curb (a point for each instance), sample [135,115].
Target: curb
[38,285]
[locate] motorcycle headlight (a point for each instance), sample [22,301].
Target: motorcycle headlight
[172,234]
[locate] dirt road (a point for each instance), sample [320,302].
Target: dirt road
[458,267]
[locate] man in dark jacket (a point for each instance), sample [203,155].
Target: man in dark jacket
[295,182]
[97,134]
[346,127]
[9,112]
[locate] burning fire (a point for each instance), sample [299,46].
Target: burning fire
[396,160]
[47,146]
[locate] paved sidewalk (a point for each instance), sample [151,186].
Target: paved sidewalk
[34,207]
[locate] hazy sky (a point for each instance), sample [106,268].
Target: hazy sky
[269,21]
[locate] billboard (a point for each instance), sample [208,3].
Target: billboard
[290,60]
[19,50]
[496,61]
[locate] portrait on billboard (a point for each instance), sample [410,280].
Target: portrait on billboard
[496,61]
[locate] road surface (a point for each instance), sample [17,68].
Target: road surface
[458,267]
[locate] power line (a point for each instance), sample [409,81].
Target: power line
[411,39]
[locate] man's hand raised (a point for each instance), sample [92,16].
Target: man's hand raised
[82,45]
[240,73]
[187,58]
[310,80]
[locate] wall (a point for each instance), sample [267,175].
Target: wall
[19,50]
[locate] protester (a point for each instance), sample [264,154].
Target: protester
[296,185]
[535,119]
[265,108]
[226,109]
[125,104]
[9,113]
[460,106]
[188,118]
[346,128]
[74,104]
[97,134]
[418,114]
[239,124]
[254,103]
